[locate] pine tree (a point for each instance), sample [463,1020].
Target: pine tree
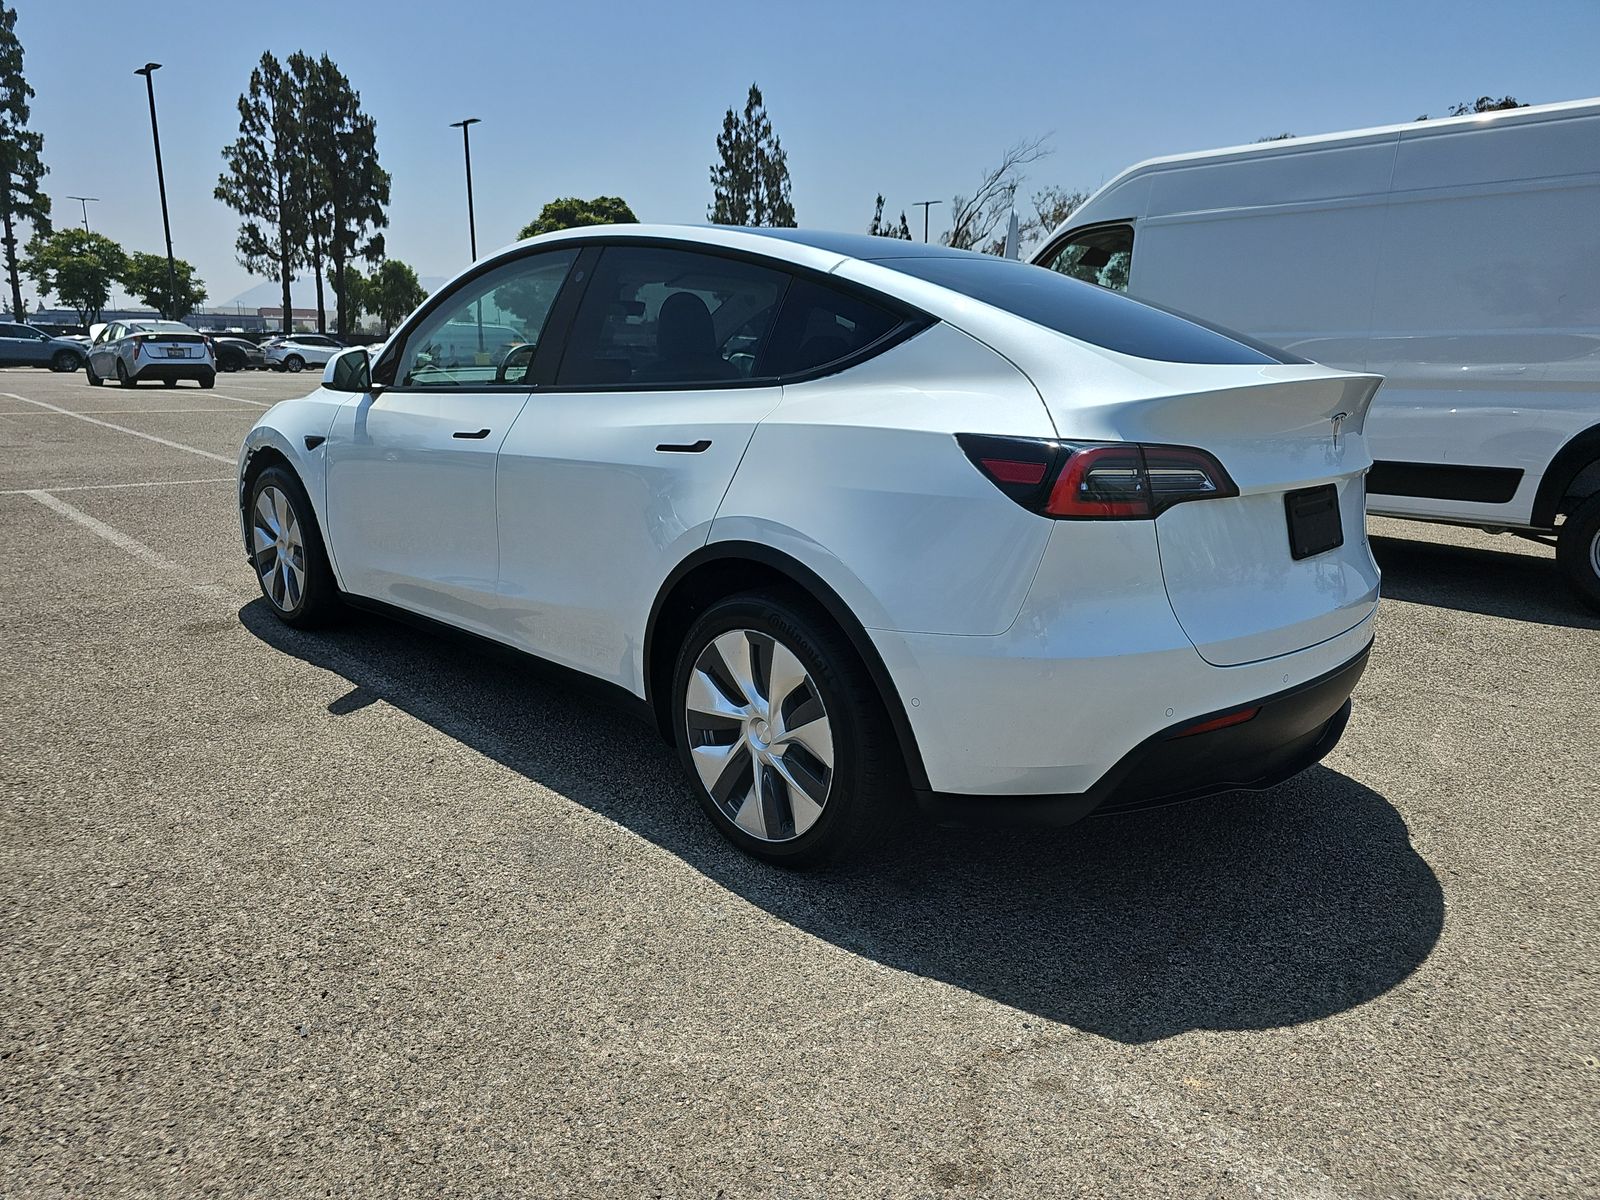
[20,164]
[266,181]
[889,229]
[348,187]
[750,186]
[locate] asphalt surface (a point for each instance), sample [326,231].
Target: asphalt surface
[370,913]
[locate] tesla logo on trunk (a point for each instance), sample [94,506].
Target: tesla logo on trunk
[1338,420]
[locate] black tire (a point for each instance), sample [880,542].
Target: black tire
[123,378]
[88,373]
[1578,551]
[230,363]
[66,361]
[865,789]
[208,381]
[318,600]
[294,364]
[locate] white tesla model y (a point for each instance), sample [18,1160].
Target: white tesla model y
[850,516]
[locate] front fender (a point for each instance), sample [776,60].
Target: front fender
[298,431]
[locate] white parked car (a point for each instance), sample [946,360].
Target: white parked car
[303,350]
[847,513]
[1458,258]
[132,352]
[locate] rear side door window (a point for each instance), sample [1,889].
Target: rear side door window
[821,326]
[664,318]
[1102,254]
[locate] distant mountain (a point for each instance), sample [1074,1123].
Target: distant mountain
[303,292]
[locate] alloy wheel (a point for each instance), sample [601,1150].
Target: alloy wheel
[759,735]
[280,553]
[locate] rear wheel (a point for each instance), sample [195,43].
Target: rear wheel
[286,550]
[208,380]
[123,377]
[1578,550]
[785,740]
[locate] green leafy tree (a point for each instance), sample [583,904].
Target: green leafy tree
[79,267]
[1483,104]
[888,229]
[267,179]
[750,183]
[349,189]
[145,276]
[569,212]
[354,292]
[394,292]
[21,167]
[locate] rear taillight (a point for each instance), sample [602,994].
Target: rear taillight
[1106,481]
[136,340]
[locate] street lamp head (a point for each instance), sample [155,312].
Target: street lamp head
[464,124]
[147,68]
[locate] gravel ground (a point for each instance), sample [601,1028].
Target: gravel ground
[372,913]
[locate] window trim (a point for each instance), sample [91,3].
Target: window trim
[389,360]
[564,311]
[1053,248]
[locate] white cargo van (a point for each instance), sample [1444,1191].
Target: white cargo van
[1459,258]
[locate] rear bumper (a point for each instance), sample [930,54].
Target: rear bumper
[199,371]
[1293,730]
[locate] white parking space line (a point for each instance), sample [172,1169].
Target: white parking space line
[240,399]
[149,437]
[112,412]
[123,542]
[113,487]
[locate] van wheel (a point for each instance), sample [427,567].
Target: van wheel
[784,738]
[1578,550]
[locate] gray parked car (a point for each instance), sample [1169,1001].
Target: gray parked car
[25,346]
[133,351]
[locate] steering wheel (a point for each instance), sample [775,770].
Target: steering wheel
[517,356]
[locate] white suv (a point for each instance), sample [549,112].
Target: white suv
[845,514]
[294,354]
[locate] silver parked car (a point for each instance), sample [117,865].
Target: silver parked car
[25,346]
[133,351]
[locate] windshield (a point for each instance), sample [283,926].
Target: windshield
[1089,313]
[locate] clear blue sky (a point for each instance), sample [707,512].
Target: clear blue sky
[626,99]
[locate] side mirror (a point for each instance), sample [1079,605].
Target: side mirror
[348,371]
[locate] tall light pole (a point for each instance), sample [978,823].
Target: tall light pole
[466,149]
[85,201]
[925,205]
[149,72]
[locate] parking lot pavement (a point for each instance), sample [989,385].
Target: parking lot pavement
[367,912]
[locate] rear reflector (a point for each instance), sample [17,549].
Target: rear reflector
[1215,723]
[1107,481]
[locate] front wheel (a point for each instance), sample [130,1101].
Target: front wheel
[88,373]
[1578,551]
[784,737]
[294,364]
[286,550]
[123,377]
[66,361]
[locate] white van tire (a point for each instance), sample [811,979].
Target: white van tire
[1578,550]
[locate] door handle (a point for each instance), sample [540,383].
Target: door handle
[685,448]
[467,433]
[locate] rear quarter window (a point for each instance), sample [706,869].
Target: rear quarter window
[1090,313]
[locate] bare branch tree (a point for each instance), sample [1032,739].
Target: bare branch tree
[1051,206]
[974,218]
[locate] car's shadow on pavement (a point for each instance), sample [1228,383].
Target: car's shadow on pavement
[1241,912]
[1496,583]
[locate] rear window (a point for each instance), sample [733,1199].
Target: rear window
[1091,314]
[819,326]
